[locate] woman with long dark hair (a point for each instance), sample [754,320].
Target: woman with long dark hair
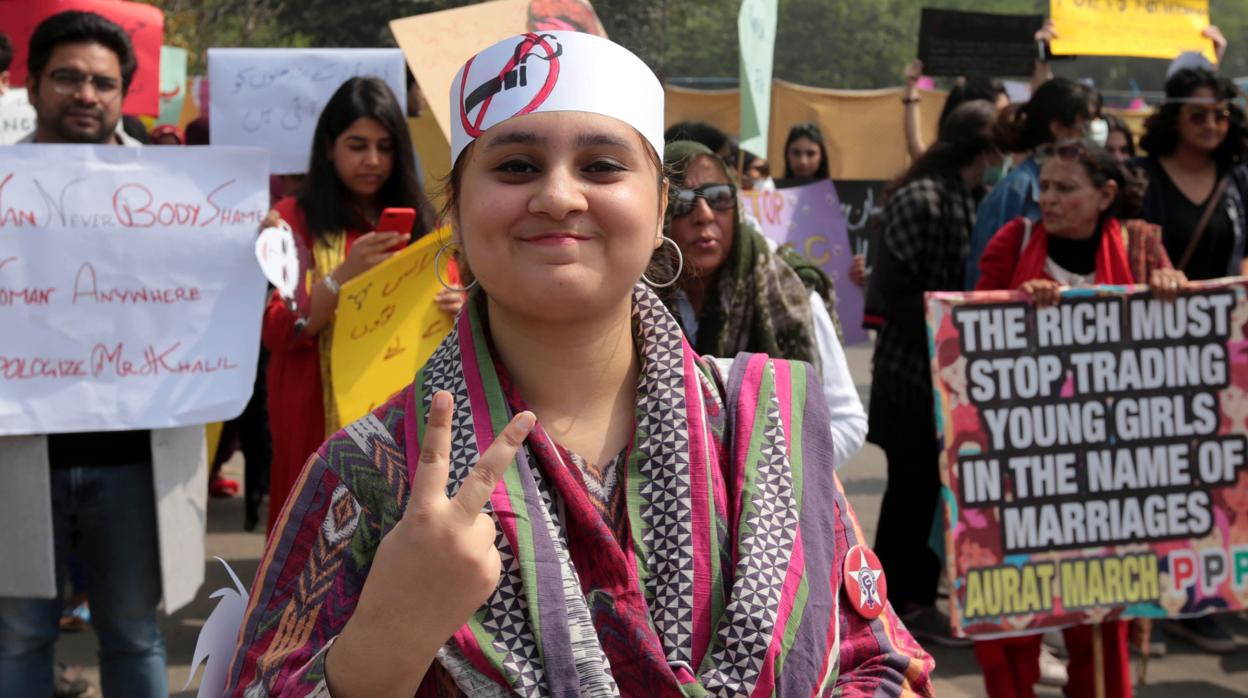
[361,163]
[1196,143]
[924,228]
[1057,111]
[1198,193]
[805,156]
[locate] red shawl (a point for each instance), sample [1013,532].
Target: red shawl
[1007,263]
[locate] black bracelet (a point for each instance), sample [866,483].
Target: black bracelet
[909,100]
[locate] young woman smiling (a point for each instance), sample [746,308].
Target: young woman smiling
[567,500]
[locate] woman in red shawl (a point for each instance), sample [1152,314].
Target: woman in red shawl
[1078,242]
[361,163]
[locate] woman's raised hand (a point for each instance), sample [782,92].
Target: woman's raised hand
[435,568]
[368,251]
[1042,291]
[450,301]
[1166,283]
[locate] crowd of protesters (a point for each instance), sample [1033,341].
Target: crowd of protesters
[1036,196]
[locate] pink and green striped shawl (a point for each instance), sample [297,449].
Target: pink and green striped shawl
[729,583]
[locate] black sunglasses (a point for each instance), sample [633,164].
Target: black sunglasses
[720,197]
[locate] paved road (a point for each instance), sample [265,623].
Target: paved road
[1185,671]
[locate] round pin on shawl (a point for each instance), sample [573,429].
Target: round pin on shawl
[864,582]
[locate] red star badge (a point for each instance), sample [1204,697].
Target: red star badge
[864,582]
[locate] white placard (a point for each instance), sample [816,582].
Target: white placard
[17,117]
[272,97]
[130,297]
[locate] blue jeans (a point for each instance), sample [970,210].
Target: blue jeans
[107,514]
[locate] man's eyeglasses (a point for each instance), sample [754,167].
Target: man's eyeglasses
[66,82]
[1199,115]
[720,197]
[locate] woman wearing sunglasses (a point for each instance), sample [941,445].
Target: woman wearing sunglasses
[1078,241]
[740,292]
[1196,190]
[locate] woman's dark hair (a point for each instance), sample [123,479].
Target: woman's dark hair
[133,126]
[968,90]
[1118,125]
[1022,129]
[810,131]
[697,131]
[74,27]
[6,52]
[964,135]
[1161,130]
[325,201]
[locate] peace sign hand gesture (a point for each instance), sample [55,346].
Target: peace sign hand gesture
[435,568]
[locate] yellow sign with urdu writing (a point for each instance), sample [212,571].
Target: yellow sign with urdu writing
[1143,28]
[386,327]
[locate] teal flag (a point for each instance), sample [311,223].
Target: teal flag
[172,84]
[756,31]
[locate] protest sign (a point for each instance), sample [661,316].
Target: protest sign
[1092,454]
[862,202]
[1143,29]
[173,85]
[272,97]
[145,25]
[17,117]
[128,286]
[756,32]
[436,44]
[387,326]
[952,42]
[809,218]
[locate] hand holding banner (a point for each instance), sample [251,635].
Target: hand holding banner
[387,326]
[1144,29]
[1093,454]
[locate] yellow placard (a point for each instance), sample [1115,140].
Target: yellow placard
[386,327]
[1143,28]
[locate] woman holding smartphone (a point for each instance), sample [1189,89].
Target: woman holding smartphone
[361,165]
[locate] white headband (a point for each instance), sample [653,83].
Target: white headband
[554,71]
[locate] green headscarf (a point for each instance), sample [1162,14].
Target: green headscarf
[757,301]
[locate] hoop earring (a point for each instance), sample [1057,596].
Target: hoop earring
[437,271]
[680,266]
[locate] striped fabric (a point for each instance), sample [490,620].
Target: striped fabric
[728,582]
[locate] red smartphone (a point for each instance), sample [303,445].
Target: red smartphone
[397,220]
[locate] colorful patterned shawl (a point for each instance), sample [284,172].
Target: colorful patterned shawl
[729,584]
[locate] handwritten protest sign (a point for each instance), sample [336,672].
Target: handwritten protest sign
[272,97]
[952,42]
[17,117]
[1093,455]
[809,218]
[129,291]
[1143,29]
[387,326]
[144,23]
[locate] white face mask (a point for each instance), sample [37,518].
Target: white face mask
[1098,131]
